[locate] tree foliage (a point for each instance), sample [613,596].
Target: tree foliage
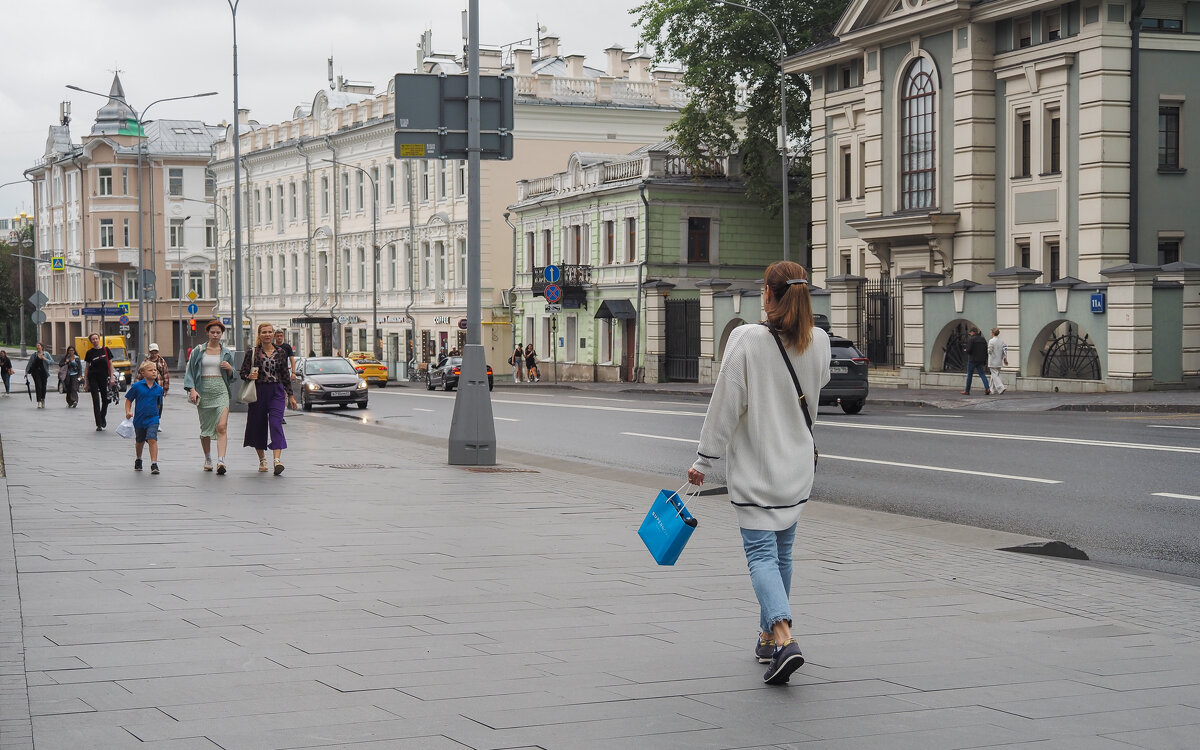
[731,57]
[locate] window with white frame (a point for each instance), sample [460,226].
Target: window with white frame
[279,207]
[210,233]
[461,258]
[131,290]
[345,192]
[106,233]
[105,177]
[257,206]
[283,274]
[391,266]
[324,196]
[345,285]
[426,266]
[362,269]
[124,182]
[631,247]
[294,200]
[177,284]
[443,175]
[391,184]
[375,186]
[460,184]
[547,248]
[1023,254]
[269,206]
[108,287]
[530,249]
[572,336]
[270,274]
[610,242]
[124,229]
[360,192]
[605,353]
[846,162]
[196,283]
[425,180]
[175,181]
[442,264]
[175,233]
[210,184]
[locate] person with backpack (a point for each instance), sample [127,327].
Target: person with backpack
[760,417]
[98,378]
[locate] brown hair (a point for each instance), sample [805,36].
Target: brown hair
[790,310]
[264,325]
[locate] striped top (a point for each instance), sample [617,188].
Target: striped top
[754,422]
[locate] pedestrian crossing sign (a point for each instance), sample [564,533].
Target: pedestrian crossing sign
[124,307]
[58,263]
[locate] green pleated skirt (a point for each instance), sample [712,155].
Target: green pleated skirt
[214,400]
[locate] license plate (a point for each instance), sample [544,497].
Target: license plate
[340,394]
[835,370]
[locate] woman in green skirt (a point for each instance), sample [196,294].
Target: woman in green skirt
[207,382]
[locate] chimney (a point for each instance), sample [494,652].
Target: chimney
[574,66]
[522,61]
[548,46]
[639,67]
[491,60]
[243,117]
[615,65]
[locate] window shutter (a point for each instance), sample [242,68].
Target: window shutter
[1166,9]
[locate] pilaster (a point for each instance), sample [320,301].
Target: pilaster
[913,285]
[1130,315]
[708,344]
[1189,275]
[843,304]
[1008,309]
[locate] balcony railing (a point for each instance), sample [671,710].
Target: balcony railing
[573,278]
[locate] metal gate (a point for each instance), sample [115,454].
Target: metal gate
[879,326]
[683,340]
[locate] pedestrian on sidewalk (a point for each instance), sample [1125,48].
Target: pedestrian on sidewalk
[97,378]
[755,415]
[70,370]
[164,374]
[6,370]
[268,368]
[143,405]
[977,360]
[208,380]
[532,374]
[517,360]
[38,368]
[997,358]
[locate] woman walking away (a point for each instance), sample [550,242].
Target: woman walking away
[267,366]
[756,419]
[39,369]
[6,370]
[517,360]
[207,382]
[531,369]
[70,370]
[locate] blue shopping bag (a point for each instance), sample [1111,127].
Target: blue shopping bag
[667,527]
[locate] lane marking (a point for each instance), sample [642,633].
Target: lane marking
[883,463]
[417,409]
[1019,438]
[936,416]
[505,419]
[1173,427]
[1176,495]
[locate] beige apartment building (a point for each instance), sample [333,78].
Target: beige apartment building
[308,211]
[86,214]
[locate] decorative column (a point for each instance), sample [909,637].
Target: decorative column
[1008,312]
[843,304]
[1130,315]
[1189,275]
[656,329]
[912,300]
[708,335]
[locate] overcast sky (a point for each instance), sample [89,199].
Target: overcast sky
[169,48]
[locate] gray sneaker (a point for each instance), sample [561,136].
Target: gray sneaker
[787,660]
[765,650]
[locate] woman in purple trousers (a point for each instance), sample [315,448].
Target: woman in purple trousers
[267,366]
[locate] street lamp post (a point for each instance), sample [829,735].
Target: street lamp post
[140,119]
[782,135]
[237,191]
[374,259]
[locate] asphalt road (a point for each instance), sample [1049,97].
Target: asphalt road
[1125,488]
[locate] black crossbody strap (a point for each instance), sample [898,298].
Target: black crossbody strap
[795,381]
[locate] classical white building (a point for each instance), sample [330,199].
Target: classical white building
[308,221]
[86,212]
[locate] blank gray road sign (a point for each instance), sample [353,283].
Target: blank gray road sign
[431,116]
[38,298]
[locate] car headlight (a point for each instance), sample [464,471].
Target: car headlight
[362,384]
[312,386]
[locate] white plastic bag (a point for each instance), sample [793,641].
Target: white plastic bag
[125,429]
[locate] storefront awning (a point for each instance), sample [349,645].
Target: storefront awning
[616,308]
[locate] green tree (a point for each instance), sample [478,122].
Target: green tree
[732,70]
[10,300]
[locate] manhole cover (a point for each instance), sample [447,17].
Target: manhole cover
[357,466]
[500,470]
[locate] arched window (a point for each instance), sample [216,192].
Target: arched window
[918,166]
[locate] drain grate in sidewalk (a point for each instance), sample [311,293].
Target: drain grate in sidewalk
[359,466]
[500,470]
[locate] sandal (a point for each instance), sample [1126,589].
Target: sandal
[278,467]
[262,465]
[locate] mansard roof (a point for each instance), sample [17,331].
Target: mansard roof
[115,115]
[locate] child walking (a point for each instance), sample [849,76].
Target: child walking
[144,400]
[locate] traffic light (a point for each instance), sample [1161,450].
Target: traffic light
[192,322]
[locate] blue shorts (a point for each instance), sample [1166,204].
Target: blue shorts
[142,434]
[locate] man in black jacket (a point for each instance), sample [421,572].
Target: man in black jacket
[977,360]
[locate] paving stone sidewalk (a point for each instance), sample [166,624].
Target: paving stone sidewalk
[373,597]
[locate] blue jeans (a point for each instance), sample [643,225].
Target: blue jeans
[973,367]
[769,557]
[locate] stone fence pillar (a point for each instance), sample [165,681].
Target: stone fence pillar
[1008,311]
[912,300]
[1130,313]
[843,304]
[1189,275]
[708,333]
[656,329]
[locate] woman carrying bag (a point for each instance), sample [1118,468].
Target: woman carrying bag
[756,419]
[38,368]
[267,367]
[207,381]
[70,370]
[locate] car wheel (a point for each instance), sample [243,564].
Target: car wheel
[853,407]
[447,386]
[429,385]
[362,404]
[383,384]
[307,405]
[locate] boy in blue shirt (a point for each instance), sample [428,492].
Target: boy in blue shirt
[146,395]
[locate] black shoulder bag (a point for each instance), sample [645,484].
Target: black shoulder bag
[799,391]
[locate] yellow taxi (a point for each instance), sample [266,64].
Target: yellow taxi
[371,369]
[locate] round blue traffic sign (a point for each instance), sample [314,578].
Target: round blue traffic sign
[553,293]
[193,309]
[551,274]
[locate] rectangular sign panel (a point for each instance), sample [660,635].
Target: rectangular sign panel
[431,116]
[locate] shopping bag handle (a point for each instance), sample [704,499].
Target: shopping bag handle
[689,519]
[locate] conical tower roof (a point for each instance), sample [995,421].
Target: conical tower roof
[113,118]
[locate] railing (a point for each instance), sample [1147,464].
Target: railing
[524,85]
[634,90]
[620,171]
[573,277]
[584,88]
[677,166]
[538,186]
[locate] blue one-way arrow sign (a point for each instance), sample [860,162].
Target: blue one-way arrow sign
[551,274]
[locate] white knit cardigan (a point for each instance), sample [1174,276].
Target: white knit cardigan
[754,421]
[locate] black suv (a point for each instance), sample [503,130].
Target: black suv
[847,376]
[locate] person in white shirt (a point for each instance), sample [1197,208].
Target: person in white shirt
[755,416]
[997,358]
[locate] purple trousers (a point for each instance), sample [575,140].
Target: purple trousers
[264,418]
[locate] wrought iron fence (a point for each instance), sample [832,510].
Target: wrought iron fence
[572,277]
[879,323]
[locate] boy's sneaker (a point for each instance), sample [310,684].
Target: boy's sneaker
[154,470]
[137,462]
[765,650]
[208,464]
[787,660]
